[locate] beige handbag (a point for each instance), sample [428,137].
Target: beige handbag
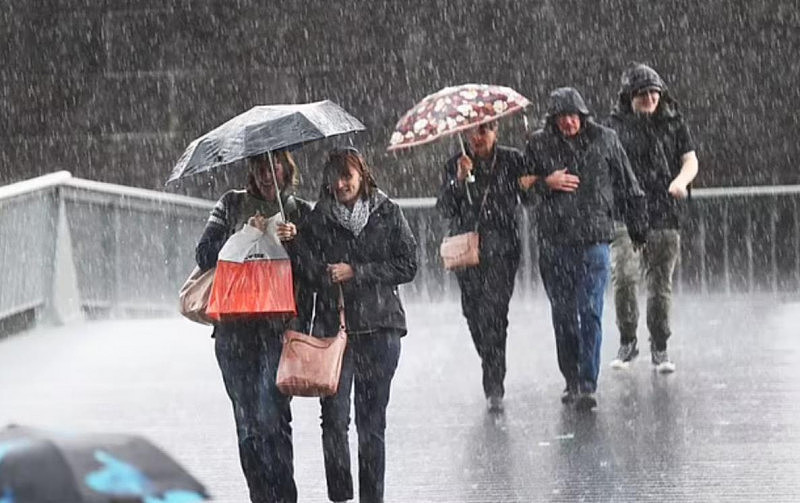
[311,366]
[463,250]
[460,251]
[194,295]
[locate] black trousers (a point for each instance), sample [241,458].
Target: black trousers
[370,361]
[485,294]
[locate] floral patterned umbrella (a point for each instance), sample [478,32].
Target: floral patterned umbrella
[454,109]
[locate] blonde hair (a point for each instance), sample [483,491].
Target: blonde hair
[291,176]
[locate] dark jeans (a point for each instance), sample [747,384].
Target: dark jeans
[575,279]
[370,361]
[485,293]
[248,353]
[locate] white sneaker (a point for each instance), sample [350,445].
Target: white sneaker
[627,352]
[618,364]
[662,362]
[665,368]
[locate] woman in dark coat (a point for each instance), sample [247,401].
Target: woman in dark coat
[486,289]
[357,241]
[248,351]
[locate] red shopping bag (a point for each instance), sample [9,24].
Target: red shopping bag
[253,278]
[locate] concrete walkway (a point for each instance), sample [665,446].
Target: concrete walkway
[725,427]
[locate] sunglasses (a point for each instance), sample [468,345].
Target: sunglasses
[484,128]
[646,92]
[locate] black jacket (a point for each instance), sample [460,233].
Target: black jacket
[607,184]
[654,144]
[229,214]
[497,223]
[383,255]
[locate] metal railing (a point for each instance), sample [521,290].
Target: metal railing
[128,250]
[27,243]
[743,240]
[734,240]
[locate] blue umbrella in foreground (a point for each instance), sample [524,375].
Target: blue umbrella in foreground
[264,129]
[39,466]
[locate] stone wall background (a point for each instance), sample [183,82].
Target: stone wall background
[113,90]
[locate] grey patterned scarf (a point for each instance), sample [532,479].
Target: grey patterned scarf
[353,220]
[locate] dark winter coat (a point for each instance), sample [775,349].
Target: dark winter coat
[231,212]
[607,183]
[383,256]
[654,144]
[497,223]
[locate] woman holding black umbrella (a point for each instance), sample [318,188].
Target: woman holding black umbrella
[248,351]
[357,242]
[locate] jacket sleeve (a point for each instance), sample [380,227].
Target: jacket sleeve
[214,235]
[401,266]
[304,290]
[299,217]
[629,197]
[452,192]
[306,254]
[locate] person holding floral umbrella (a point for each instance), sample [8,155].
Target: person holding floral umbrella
[487,204]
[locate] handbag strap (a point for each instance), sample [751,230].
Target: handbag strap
[485,192]
[340,308]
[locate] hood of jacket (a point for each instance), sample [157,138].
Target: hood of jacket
[565,100]
[637,77]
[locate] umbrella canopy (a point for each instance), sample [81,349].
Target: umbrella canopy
[263,129]
[38,466]
[454,109]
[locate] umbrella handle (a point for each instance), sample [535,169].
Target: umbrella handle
[277,188]
[470,178]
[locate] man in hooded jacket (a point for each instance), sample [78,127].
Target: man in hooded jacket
[583,177]
[662,156]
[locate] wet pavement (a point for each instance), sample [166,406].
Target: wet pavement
[724,427]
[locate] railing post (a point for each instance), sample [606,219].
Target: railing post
[749,249]
[422,246]
[527,264]
[115,308]
[773,256]
[796,207]
[726,261]
[701,236]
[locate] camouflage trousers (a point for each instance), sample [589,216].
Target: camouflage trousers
[656,263]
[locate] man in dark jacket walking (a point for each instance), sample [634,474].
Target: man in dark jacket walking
[480,191]
[662,156]
[588,178]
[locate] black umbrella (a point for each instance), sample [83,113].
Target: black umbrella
[38,466]
[264,129]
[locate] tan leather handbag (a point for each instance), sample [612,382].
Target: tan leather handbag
[311,366]
[463,250]
[194,294]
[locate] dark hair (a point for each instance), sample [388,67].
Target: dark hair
[339,162]
[291,177]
